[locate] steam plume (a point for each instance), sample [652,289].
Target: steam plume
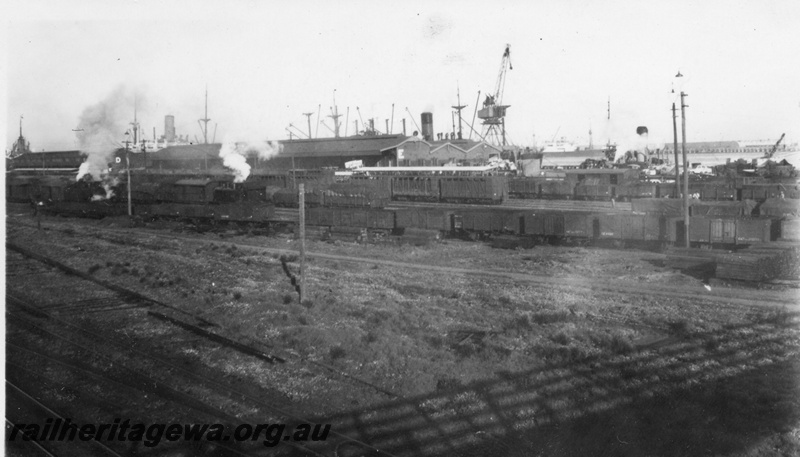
[101,131]
[234,155]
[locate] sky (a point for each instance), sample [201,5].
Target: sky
[266,63]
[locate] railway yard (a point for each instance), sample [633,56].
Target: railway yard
[450,348]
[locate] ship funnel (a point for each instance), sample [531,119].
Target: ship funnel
[169,128]
[427,126]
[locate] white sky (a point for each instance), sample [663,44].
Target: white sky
[266,63]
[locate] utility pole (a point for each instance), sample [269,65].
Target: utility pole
[302,223]
[685,171]
[308,118]
[675,142]
[128,167]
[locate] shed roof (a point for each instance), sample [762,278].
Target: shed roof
[348,146]
[448,146]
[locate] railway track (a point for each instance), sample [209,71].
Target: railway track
[88,361]
[716,294]
[163,371]
[393,420]
[525,204]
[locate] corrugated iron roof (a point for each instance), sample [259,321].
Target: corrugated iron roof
[448,146]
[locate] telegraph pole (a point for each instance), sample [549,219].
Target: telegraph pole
[302,223]
[677,163]
[128,167]
[685,171]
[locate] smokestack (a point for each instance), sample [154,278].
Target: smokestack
[427,126]
[169,128]
[404,126]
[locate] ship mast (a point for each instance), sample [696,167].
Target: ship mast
[135,123]
[205,121]
[458,109]
[335,116]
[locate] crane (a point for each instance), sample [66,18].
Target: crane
[493,112]
[775,148]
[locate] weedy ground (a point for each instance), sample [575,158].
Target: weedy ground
[558,371]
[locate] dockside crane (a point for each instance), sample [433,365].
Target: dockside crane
[775,148]
[493,112]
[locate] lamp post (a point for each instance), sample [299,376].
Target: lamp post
[685,172]
[128,169]
[675,141]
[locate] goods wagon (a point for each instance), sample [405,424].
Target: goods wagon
[790,229]
[717,191]
[426,219]
[478,221]
[761,192]
[751,230]
[544,224]
[721,208]
[478,189]
[425,188]
[524,187]
[378,186]
[579,225]
[595,191]
[556,189]
[731,230]
[637,190]
[243,212]
[268,180]
[602,176]
[22,189]
[351,217]
[608,226]
[334,199]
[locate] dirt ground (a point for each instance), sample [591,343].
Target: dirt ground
[543,368]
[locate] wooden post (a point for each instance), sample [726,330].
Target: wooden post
[302,222]
[685,172]
[128,166]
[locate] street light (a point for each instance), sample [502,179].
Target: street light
[685,161]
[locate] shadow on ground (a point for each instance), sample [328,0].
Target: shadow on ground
[731,391]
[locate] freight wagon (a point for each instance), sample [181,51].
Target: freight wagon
[473,189]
